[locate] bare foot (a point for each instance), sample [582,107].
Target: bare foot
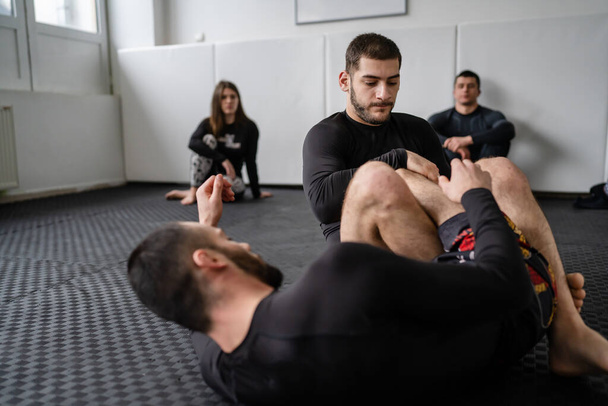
[575,349]
[188,200]
[176,194]
[576,281]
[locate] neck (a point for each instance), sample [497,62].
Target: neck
[350,112]
[465,109]
[229,118]
[232,314]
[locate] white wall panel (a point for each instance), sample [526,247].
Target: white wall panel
[65,142]
[548,76]
[426,73]
[166,92]
[282,88]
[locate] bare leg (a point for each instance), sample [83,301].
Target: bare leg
[430,197]
[379,209]
[574,348]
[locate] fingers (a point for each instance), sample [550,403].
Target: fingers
[218,187]
[443,182]
[206,188]
[433,175]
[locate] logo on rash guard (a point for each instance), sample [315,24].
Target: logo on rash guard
[228,140]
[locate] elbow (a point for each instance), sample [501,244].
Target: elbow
[510,130]
[322,207]
[324,211]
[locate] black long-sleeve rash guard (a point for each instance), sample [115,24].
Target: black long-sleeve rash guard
[365,320]
[338,145]
[485,126]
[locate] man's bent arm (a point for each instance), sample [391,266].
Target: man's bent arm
[326,179]
[501,130]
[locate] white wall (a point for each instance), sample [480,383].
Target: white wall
[165,94]
[237,20]
[531,60]
[550,77]
[65,142]
[133,24]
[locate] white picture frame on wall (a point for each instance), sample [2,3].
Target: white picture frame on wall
[321,11]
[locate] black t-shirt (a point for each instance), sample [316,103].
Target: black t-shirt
[338,145]
[362,320]
[238,143]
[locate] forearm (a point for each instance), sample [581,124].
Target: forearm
[501,132]
[252,172]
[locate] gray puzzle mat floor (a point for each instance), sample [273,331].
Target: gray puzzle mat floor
[72,332]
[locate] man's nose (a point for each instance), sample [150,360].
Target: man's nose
[382,92]
[245,245]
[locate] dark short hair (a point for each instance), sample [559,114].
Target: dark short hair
[373,46]
[161,272]
[468,74]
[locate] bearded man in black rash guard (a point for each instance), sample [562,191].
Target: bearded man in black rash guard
[468,130]
[366,130]
[367,319]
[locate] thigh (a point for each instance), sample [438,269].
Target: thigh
[380,210]
[200,169]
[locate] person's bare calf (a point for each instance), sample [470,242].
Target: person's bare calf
[574,348]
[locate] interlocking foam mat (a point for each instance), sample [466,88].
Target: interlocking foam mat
[72,332]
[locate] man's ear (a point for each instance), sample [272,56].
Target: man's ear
[208,259]
[344,81]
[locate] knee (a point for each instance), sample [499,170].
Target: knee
[505,174]
[370,174]
[377,182]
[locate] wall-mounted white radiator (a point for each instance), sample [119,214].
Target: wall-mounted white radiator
[8,152]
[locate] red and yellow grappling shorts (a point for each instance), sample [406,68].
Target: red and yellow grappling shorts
[541,274]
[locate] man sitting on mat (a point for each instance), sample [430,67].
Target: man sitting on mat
[374,316]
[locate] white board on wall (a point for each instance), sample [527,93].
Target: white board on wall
[166,93]
[549,77]
[428,60]
[281,87]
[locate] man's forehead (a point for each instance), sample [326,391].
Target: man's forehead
[466,79]
[378,67]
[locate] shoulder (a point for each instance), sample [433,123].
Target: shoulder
[491,114]
[333,125]
[441,114]
[248,123]
[409,121]
[247,127]
[336,120]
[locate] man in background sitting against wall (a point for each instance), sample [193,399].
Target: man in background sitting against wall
[469,130]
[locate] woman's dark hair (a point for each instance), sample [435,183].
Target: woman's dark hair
[217,119]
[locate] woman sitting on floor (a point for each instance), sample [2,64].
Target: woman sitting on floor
[221,144]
